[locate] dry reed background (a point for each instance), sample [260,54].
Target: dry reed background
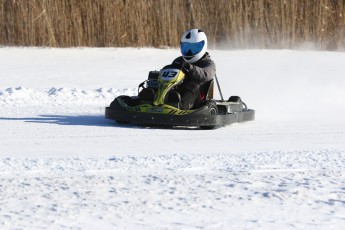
[159,23]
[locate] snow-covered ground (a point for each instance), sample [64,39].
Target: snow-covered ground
[64,166]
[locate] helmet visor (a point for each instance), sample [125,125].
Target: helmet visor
[190,49]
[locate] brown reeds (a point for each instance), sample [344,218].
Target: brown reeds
[159,23]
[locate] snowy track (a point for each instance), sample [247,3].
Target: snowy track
[262,189]
[64,166]
[241,190]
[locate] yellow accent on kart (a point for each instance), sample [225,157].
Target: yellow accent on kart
[149,108]
[168,78]
[161,109]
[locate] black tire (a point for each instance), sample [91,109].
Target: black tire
[112,104]
[213,109]
[234,99]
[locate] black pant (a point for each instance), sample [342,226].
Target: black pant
[190,95]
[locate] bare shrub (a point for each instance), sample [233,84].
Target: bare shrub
[160,23]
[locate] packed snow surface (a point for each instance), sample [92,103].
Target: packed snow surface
[64,166]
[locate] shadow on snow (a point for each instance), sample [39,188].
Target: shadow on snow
[85,120]
[81,120]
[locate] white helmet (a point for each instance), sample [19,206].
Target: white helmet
[193,45]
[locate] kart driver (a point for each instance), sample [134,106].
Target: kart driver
[197,66]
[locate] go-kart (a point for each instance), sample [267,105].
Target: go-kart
[158,103]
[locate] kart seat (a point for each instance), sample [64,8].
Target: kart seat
[206,90]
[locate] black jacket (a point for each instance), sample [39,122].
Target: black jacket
[201,71]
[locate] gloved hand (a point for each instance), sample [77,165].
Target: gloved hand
[182,65]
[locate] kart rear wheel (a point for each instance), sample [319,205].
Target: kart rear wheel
[213,111]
